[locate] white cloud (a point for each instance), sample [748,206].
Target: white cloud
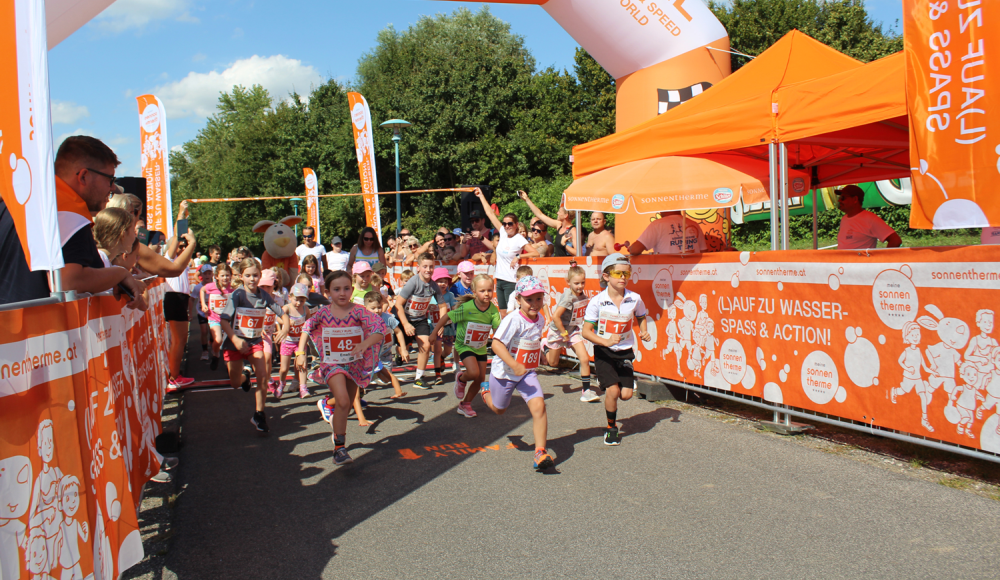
[177,148]
[197,94]
[126,14]
[67,112]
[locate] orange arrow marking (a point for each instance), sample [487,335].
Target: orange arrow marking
[409,454]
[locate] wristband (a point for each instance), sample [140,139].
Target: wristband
[300,353]
[564,333]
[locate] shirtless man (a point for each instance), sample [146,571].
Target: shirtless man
[600,242]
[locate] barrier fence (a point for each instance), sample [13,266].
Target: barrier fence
[81,391]
[897,340]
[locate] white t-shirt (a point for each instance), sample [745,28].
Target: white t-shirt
[303,250]
[337,260]
[507,251]
[666,236]
[862,231]
[514,331]
[610,319]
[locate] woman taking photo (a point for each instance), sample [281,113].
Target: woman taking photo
[508,251]
[366,250]
[538,239]
[565,238]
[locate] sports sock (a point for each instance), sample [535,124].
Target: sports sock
[612,418]
[586,383]
[420,374]
[338,440]
[437,372]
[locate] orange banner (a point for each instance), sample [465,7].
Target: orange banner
[954,156]
[154,165]
[312,201]
[361,118]
[81,391]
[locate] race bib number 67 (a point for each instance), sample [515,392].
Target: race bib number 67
[250,322]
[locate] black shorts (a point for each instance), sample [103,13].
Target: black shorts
[614,366]
[176,307]
[505,290]
[462,354]
[202,319]
[421,327]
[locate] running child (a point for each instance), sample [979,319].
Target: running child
[297,313]
[475,317]
[412,303]
[347,336]
[362,280]
[517,349]
[375,303]
[214,297]
[608,324]
[271,333]
[565,329]
[463,286]
[442,347]
[242,321]
[205,275]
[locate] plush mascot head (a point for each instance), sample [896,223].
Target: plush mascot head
[279,242]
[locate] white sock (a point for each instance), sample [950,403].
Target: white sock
[420,373]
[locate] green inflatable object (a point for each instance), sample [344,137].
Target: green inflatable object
[877,194]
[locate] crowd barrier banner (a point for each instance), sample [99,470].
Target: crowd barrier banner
[81,391]
[901,339]
[312,202]
[364,145]
[154,164]
[954,157]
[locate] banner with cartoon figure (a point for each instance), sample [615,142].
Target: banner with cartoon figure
[80,401]
[27,173]
[954,148]
[154,164]
[361,121]
[312,202]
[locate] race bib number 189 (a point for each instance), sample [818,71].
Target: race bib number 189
[527,353]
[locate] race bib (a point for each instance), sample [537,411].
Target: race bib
[434,315]
[359,300]
[249,322]
[579,310]
[339,342]
[416,306]
[528,352]
[269,321]
[217,302]
[614,323]
[296,330]
[194,276]
[476,334]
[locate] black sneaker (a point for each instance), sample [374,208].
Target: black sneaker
[259,421]
[438,380]
[421,384]
[245,385]
[611,436]
[340,456]
[214,365]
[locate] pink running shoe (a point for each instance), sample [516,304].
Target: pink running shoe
[459,387]
[303,391]
[180,381]
[466,409]
[278,389]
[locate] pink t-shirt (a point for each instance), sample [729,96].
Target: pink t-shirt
[862,231]
[210,289]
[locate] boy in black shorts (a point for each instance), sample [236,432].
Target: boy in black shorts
[412,302]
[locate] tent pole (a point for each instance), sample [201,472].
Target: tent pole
[684,232]
[579,238]
[784,196]
[815,193]
[772,163]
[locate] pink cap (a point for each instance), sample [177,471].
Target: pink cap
[267,278]
[466,266]
[361,267]
[440,273]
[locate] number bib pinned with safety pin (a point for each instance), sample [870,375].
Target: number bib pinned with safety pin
[476,334]
[579,311]
[611,322]
[217,302]
[249,322]
[339,342]
[296,329]
[528,352]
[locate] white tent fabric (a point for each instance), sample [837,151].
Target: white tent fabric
[64,17]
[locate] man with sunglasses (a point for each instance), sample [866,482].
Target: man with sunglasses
[479,243]
[309,247]
[453,239]
[85,174]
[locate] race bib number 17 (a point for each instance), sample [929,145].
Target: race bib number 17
[614,323]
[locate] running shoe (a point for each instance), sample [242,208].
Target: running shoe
[459,386]
[589,396]
[543,460]
[466,409]
[324,410]
[214,365]
[364,403]
[279,389]
[341,456]
[303,391]
[259,421]
[438,380]
[204,355]
[247,373]
[182,381]
[611,436]
[421,384]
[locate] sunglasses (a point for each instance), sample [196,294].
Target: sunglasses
[404,234]
[414,245]
[537,231]
[620,273]
[309,237]
[509,224]
[368,239]
[450,239]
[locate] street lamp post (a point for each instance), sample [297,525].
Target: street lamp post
[397,126]
[295,207]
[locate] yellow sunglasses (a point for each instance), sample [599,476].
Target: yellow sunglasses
[620,273]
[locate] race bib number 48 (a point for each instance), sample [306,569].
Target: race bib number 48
[614,323]
[339,342]
[476,334]
[528,352]
[249,322]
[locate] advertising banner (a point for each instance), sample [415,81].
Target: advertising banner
[312,202]
[361,118]
[154,164]
[27,172]
[81,391]
[954,156]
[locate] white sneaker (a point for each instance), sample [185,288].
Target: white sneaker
[204,355]
[589,396]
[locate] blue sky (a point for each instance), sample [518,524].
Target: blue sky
[186,51]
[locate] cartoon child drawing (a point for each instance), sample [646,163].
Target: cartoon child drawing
[982,345]
[944,356]
[37,556]
[45,513]
[964,398]
[912,361]
[15,497]
[672,333]
[992,384]
[701,321]
[72,530]
[710,342]
[686,327]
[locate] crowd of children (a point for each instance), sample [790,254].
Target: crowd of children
[357,329]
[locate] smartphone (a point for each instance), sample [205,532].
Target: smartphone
[124,290]
[155,238]
[143,236]
[182,227]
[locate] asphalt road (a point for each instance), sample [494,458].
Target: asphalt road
[432,494]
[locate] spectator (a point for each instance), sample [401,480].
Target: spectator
[479,233]
[84,169]
[367,249]
[600,242]
[539,239]
[667,236]
[177,304]
[336,258]
[565,230]
[859,228]
[148,259]
[114,234]
[411,249]
[511,247]
[310,247]
[454,239]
